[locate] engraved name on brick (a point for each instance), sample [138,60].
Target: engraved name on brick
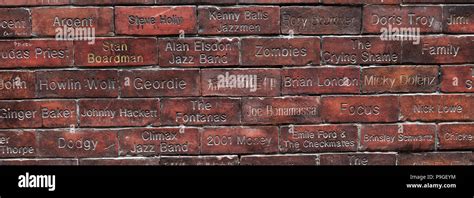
[156,141]
[318,138]
[201,52]
[239,20]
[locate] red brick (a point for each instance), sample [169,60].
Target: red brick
[218,160]
[240,82]
[318,138]
[242,20]
[129,161]
[363,50]
[33,2]
[35,53]
[198,52]
[435,159]
[281,51]
[18,144]
[155,20]
[457,79]
[320,80]
[17,84]
[458,19]
[38,162]
[456,136]
[359,108]
[116,51]
[200,111]
[119,112]
[378,18]
[399,79]
[156,141]
[239,140]
[15,22]
[48,21]
[153,83]
[298,109]
[439,49]
[398,137]
[276,1]
[358,159]
[361,1]
[84,143]
[35,113]
[321,20]
[436,107]
[278,160]
[111,2]
[77,83]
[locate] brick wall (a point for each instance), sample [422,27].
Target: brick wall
[249,82]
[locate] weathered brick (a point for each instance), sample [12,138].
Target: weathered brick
[358,159]
[17,84]
[359,108]
[278,160]
[214,160]
[38,162]
[457,79]
[280,51]
[297,109]
[77,83]
[111,2]
[200,111]
[321,20]
[153,83]
[84,143]
[33,2]
[361,50]
[61,21]
[35,113]
[276,1]
[361,1]
[198,52]
[399,79]
[155,20]
[239,140]
[15,22]
[17,143]
[156,141]
[240,20]
[398,137]
[119,112]
[456,136]
[439,49]
[385,19]
[240,82]
[116,51]
[318,138]
[458,19]
[129,161]
[320,80]
[35,53]
[435,159]
[436,108]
